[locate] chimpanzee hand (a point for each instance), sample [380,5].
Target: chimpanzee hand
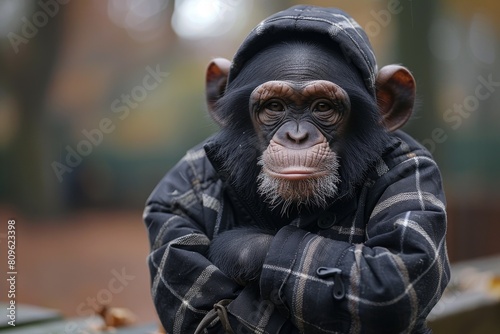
[240,253]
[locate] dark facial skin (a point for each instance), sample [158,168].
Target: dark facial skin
[298,120]
[321,103]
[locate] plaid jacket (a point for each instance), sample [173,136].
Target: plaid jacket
[375,263]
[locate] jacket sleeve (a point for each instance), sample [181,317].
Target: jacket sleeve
[181,216]
[389,283]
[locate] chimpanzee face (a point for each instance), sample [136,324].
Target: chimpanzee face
[299,121]
[313,118]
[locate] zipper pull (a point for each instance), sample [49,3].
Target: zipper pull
[338,286]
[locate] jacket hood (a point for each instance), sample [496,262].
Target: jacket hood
[300,22]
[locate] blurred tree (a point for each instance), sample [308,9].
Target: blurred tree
[26,72]
[414,25]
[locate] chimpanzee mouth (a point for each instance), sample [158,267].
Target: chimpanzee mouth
[295,173]
[299,186]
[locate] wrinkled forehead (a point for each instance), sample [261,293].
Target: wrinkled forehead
[298,92]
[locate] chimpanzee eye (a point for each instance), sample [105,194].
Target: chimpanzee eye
[322,106]
[327,111]
[274,105]
[271,112]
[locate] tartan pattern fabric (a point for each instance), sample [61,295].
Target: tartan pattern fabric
[385,247]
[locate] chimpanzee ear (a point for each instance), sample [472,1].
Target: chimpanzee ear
[216,80]
[395,95]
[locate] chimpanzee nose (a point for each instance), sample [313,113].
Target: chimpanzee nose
[298,135]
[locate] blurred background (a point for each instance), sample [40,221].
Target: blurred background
[99,98]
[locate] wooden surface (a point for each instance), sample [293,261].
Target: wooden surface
[38,320]
[26,314]
[471,303]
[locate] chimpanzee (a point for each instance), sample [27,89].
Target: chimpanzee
[309,211]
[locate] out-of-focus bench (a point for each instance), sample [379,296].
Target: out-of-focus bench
[471,303]
[37,320]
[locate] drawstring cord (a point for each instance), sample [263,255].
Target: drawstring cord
[219,311]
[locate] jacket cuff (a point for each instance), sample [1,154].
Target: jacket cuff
[250,311]
[290,248]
